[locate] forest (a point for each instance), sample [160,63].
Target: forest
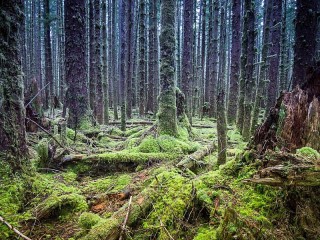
[160,119]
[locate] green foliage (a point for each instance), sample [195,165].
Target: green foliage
[87,220]
[309,152]
[43,152]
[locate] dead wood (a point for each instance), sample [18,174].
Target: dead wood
[283,169]
[293,123]
[13,229]
[111,228]
[193,161]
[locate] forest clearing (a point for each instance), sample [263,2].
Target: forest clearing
[159,119]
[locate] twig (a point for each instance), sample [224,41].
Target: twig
[126,219]
[14,229]
[46,132]
[36,95]
[166,230]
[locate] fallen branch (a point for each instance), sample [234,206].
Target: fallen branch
[194,160]
[166,230]
[126,219]
[13,229]
[44,130]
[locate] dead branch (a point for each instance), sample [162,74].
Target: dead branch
[126,219]
[13,229]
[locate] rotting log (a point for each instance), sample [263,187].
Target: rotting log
[111,228]
[193,161]
[283,169]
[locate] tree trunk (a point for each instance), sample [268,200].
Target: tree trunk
[249,84]
[260,93]
[187,56]
[167,114]
[104,70]
[235,59]
[75,32]
[48,56]
[305,39]
[221,110]
[142,56]
[13,146]
[275,54]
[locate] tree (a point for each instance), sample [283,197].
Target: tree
[235,59]
[12,114]
[260,93]
[274,53]
[75,32]
[48,55]
[221,109]
[305,39]
[187,55]
[142,56]
[167,113]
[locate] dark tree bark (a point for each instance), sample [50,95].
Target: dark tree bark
[104,70]
[235,60]
[187,56]
[75,32]
[275,54]
[167,114]
[283,55]
[131,50]
[99,100]
[142,56]
[48,56]
[13,146]
[221,109]
[305,39]
[114,61]
[124,57]
[92,57]
[260,94]
[151,56]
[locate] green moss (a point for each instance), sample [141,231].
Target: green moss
[206,233]
[172,197]
[101,230]
[61,205]
[309,152]
[12,191]
[149,145]
[113,184]
[43,152]
[87,220]
[174,145]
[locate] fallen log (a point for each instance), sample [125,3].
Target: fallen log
[193,161]
[116,161]
[288,170]
[111,228]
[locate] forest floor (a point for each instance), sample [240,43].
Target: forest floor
[137,185]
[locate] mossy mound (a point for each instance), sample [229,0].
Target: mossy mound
[309,152]
[87,220]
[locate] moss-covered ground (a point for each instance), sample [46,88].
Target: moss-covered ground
[213,203]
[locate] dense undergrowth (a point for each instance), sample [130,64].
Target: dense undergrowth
[168,202]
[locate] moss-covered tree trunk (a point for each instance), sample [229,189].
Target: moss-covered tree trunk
[12,114]
[167,114]
[77,96]
[187,54]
